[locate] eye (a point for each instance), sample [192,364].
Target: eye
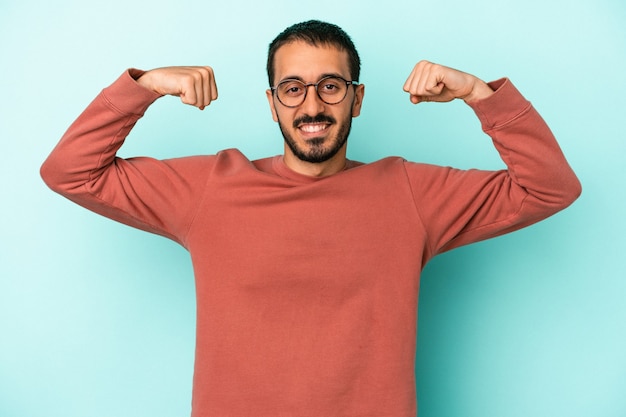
[291,88]
[330,86]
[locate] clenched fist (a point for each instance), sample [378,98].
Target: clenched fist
[194,85]
[433,82]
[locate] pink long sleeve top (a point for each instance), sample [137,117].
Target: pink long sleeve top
[307,288]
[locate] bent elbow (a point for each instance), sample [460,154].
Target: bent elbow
[572,192]
[54,175]
[558,193]
[567,191]
[49,175]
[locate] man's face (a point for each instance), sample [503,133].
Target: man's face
[314,131]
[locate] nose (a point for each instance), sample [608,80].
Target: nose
[312,104]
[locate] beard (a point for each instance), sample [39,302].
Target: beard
[320,149]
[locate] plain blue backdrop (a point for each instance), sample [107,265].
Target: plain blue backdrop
[97,319]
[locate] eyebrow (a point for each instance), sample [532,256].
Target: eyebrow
[296,77]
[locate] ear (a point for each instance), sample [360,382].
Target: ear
[359,93]
[270,100]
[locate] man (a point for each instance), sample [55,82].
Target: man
[307,265]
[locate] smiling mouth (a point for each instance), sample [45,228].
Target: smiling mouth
[313,127]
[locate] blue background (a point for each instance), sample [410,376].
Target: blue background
[97,319]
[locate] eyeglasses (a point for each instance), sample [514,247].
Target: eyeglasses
[331,90]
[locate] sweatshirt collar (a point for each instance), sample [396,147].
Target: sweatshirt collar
[279,166]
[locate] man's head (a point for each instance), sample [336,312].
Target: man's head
[317,127]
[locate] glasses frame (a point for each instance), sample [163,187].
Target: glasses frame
[306,89]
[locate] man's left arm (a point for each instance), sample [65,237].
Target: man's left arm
[460,207]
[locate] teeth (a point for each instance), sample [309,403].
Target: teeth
[313,128]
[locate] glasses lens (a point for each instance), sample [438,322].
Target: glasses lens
[291,92]
[332,89]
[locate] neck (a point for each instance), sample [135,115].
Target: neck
[322,169]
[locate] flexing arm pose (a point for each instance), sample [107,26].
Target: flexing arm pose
[307,264]
[196,86]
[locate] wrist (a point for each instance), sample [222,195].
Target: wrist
[480,91]
[135,73]
[143,80]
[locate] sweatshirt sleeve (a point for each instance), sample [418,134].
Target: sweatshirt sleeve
[458,207]
[152,195]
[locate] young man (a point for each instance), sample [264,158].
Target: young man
[307,265]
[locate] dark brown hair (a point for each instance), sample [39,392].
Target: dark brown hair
[315,32]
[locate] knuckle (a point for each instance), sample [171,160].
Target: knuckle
[188,78]
[205,72]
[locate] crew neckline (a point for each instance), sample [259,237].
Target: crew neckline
[281,168]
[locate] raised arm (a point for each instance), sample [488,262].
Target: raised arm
[463,206]
[156,196]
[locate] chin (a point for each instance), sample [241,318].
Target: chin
[316,149]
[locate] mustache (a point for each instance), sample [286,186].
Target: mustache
[320,118]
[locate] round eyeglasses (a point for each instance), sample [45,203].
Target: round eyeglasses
[331,90]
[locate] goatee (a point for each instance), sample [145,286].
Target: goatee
[317,152]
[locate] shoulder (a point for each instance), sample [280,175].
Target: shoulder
[389,170]
[399,165]
[225,161]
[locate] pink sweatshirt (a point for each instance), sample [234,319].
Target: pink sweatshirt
[307,288]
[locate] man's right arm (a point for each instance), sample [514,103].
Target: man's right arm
[152,195]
